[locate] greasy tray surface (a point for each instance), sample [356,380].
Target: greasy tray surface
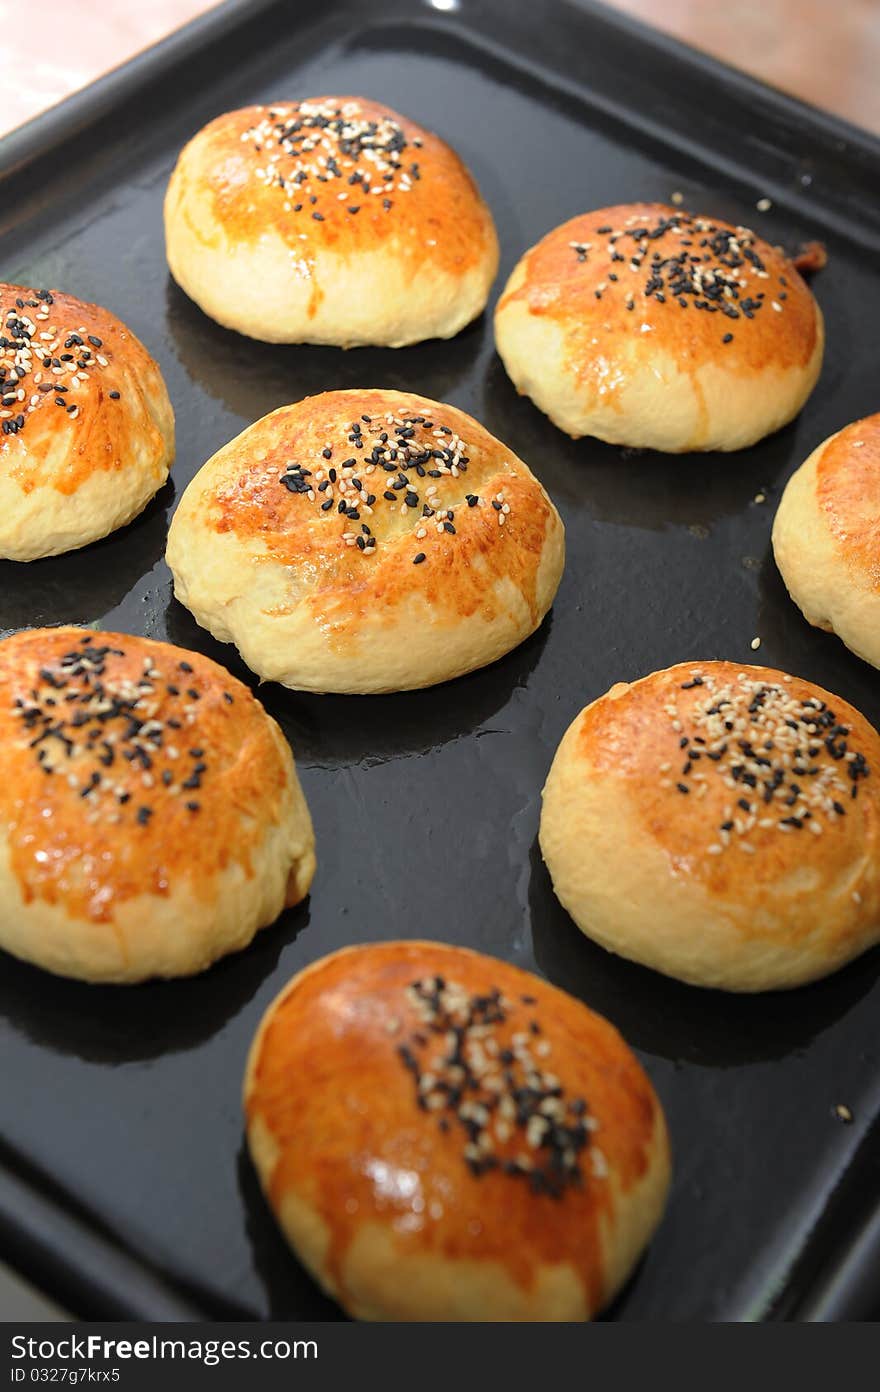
[127,1101]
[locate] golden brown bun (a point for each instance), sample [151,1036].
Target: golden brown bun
[323,601]
[610,343]
[688,862]
[826,537]
[150,815]
[329,221]
[87,427]
[410,1196]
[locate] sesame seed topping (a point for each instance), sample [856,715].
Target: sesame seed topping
[333,154]
[418,460]
[787,758]
[103,730]
[473,1066]
[707,266]
[33,342]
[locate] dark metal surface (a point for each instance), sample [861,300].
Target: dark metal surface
[120,1107]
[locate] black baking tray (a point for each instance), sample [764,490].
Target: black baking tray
[125,1189]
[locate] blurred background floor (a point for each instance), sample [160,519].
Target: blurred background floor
[825,51]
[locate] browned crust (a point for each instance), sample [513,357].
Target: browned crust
[440,221]
[580,295]
[98,437]
[633,737]
[848,495]
[88,851]
[327,1081]
[342,585]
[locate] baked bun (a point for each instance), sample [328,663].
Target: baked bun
[443,1136]
[826,537]
[365,541]
[329,221]
[648,327]
[87,427]
[719,823]
[150,815]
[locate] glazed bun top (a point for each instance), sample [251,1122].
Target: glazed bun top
[126,767]
[343,483]
[695,287]
[745,776]
[76,388]
[479,1113]
[847,494]
[366,540]
[344,174]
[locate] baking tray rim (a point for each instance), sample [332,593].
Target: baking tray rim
[88,106]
